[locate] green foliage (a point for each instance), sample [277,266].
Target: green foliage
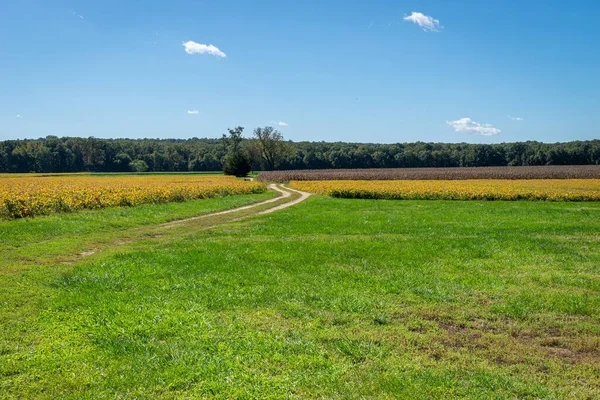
[236,161]
[236,164]
[52,154]
[138,166]
[273,150]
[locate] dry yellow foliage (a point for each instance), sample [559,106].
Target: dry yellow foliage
[476,189]
[24,196]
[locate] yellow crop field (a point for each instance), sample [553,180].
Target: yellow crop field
[476,189]
[25,196]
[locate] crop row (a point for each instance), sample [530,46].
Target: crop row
[533,172]
[483,189]
[38,195]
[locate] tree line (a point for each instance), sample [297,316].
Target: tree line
[267,150]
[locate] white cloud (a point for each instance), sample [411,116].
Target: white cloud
[515,118]
[199,48]
[19,116]
[424,21]
[280,123]
[469,126]
[193,112]
[78,15]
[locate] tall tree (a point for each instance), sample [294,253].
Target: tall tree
[273,148]
[236,160]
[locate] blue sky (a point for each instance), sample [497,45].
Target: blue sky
[368,71]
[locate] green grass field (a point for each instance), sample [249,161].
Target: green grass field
[332,298]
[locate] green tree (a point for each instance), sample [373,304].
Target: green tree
[273,148]
[236,161]
[253,149]
[121,162]
[138,166]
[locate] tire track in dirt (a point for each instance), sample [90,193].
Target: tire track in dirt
[285,192]
[159,230]
[303,196]
[162,232]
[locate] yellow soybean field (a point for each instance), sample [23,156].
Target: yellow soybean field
[476,189]
[25,196]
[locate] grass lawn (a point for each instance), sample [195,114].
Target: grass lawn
[332,298]
[28,242]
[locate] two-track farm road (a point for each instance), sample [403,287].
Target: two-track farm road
[287,198]
[166,231]
[286,193]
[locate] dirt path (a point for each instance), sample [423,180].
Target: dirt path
[287,198]
[284,193]
[63,250]
[303,196]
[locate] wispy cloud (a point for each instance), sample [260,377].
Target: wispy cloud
[78,15]
[424,21]
[19,116]
[467,125]
[193,112]
[199,48]
[515,118]
[280,123]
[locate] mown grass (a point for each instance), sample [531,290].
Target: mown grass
[30,241]
[331,298]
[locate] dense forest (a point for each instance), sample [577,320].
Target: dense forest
[69,154]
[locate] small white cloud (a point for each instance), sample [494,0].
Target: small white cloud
[19,116]
[280,123]
[193,112]
[515,118]
[424,21]
[199,48]
[78,15]
[469,126]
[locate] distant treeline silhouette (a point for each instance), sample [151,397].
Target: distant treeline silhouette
[70,154]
